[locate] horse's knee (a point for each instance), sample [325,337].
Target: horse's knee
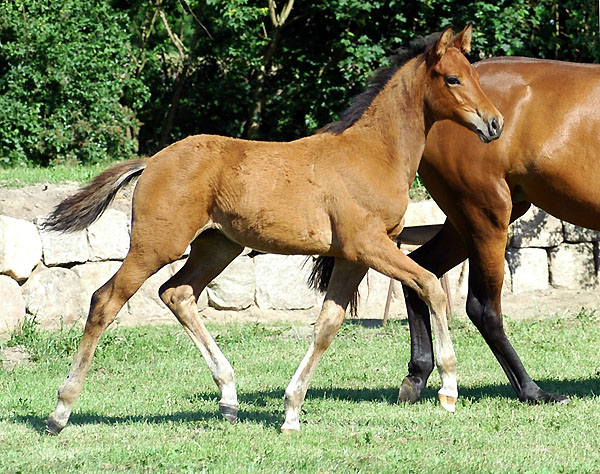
[487,320]
[431,291]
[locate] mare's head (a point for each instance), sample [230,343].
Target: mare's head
[453,90]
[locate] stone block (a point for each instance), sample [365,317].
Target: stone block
[13,305]
[528,268]
[423,213]
[574,233]
[572,266]
[55,295]
[281,282]
[233,289]
[20,247]
[93,275]
[109,236]
[536,228]
[61,249]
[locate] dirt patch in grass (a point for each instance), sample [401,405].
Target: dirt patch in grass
[12,356]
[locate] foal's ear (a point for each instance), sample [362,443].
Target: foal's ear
[462,42]
[444,42]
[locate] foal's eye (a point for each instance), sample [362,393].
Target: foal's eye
[452,81]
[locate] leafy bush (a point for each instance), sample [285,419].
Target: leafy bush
[65,68]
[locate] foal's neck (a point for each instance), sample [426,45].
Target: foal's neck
[397,115]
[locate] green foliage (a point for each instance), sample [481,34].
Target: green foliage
[65,70]
[78,78]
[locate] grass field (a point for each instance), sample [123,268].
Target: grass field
[150,405]
[24,176]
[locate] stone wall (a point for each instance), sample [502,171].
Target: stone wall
[53,276]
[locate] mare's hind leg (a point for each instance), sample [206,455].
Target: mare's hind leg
[211,253]
[106,303]
[343,283]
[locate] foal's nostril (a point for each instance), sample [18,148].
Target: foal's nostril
[494,126]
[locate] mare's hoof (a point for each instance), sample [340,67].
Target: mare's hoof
[52,427]
[229,412]
[552,398]
[448,403]
[560,399]
[408,391]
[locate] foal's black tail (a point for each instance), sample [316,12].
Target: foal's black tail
[321,274]
[80,210]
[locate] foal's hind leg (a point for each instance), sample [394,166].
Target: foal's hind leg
[343,283]
[106,303]
[211,253]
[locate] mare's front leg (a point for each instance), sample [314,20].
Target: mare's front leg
[344,281]
[210,253]
[487,242]
[443,252]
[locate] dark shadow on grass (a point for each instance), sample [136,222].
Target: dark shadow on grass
[374,323]
[273,418]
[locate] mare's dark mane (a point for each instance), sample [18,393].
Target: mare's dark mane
[380,78]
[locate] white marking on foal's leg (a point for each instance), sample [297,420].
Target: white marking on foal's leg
[445,358]
[329,321]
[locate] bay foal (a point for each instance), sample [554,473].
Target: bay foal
[341,193]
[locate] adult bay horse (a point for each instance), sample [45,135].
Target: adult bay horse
[341,194]
[549,156]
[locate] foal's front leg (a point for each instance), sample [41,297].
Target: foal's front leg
[344,280]
[377,251]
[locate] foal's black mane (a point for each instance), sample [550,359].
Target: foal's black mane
[380,78]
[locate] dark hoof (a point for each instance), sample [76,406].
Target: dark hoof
[408,391]
[229,412]
[543,397]
[555,398]
[560,399]
[52,427]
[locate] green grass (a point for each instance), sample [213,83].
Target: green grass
[150,405]
[24,176]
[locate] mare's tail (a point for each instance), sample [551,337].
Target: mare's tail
[321,274]
[80,210]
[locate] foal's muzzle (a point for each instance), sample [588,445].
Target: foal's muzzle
[490,129]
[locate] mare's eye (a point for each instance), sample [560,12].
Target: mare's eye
[452,81]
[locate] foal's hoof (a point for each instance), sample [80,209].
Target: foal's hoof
[408,391]
[229,412]
[448,403]
[288,432]
[52,427]
[289,428]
